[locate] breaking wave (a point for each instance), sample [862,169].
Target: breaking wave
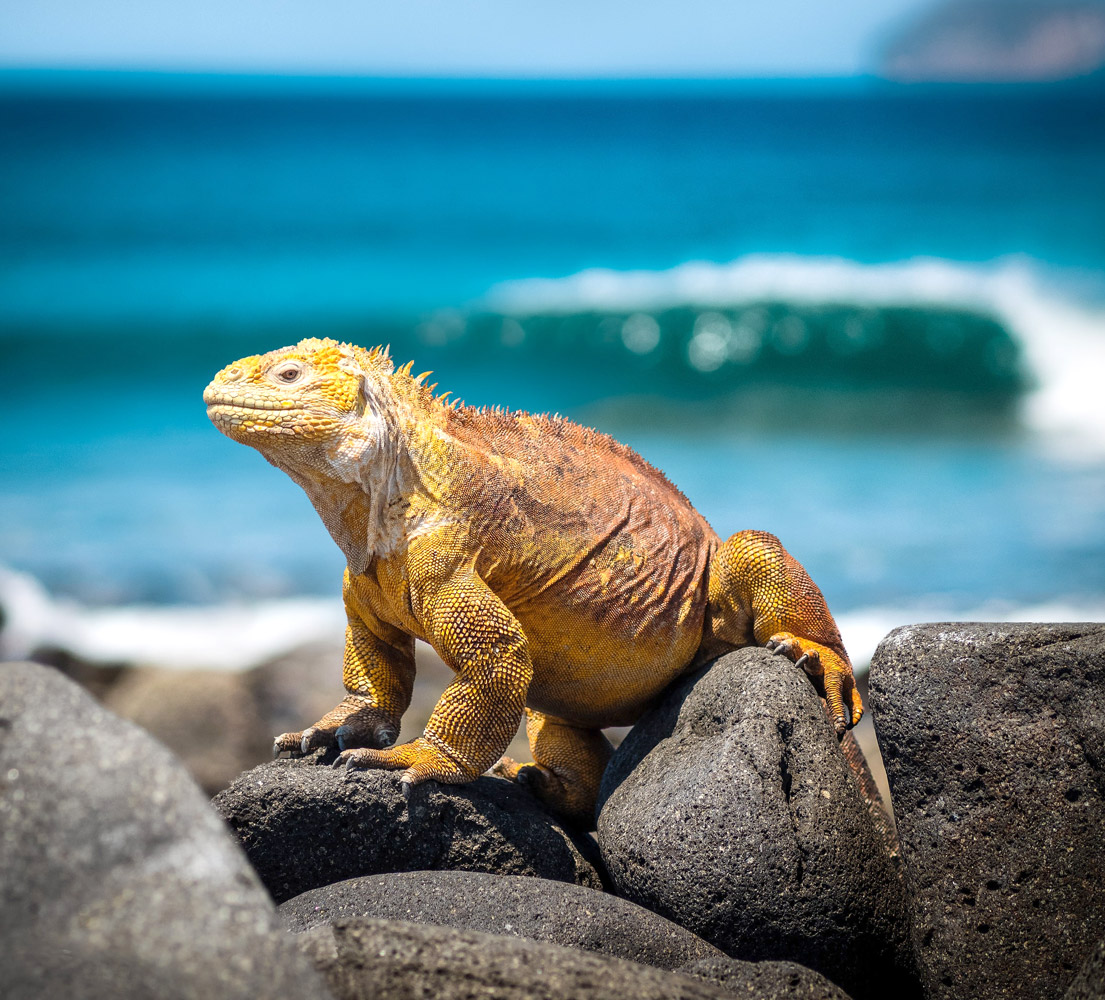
[1008,327]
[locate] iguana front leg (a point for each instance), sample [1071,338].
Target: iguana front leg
[476,634]
[378,673]
[759,593]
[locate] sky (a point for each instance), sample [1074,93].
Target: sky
[527,38]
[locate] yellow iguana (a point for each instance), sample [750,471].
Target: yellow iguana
[554,570]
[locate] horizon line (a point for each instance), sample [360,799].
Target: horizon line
[61,79]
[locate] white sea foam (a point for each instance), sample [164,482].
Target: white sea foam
[221,637]
[862,630]
[233,636]
[1063,340]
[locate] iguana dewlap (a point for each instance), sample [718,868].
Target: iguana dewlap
[554,570]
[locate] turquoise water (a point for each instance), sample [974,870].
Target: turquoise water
[869,319]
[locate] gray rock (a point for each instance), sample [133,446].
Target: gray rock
[208,718]
[1089,984]
[994,741]
[731,810]
[367,958]
[304,824]
[764,980]
[116,878]
[294,689]
[533,908]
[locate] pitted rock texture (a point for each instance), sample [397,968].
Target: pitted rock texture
[367,958]
[731,810]
[304,824]
[532,908]
[116,878]
[770,980]
[994,741]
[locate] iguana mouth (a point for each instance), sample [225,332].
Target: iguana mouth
[258,405]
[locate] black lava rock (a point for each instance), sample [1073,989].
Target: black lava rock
[731,810]
[366,958]
[116,878]
[766,980]
[532,908]
[994,743]
[304,824]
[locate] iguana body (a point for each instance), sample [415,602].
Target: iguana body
[552,568]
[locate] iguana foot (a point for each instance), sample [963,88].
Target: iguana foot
[354,723]
[830,673]
[420,760]
[567,768]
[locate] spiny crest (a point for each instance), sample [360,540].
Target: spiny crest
[416,388]
[507,429]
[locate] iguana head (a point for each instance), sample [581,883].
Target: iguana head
[317,406]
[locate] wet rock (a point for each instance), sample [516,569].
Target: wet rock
[994,742]
[366,958]
[532,908]
[116,878]
[731,810]
[304,824]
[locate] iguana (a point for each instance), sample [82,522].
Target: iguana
[553,569]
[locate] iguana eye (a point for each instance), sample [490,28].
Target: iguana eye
[289,372]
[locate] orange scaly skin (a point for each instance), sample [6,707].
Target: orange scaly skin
[554,570]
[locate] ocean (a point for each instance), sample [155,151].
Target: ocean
[868,318]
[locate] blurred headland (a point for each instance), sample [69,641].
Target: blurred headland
[999,41]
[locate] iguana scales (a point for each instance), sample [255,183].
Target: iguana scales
[553,569]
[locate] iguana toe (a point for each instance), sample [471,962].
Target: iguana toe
[419,759]
[316,738]
[287,743]
[376,735]
[784,644]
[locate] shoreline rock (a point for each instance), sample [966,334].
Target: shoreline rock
[366,958]
[116,878]
[304,825]
[731,810]
[994,742]
[535,909]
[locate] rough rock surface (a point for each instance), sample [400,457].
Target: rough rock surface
[532,908]
[116,878]
[994,741]
[304,824]
[1089,984]
[730,809]
[368,958]
[764,979]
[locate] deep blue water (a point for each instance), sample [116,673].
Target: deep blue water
[893,425]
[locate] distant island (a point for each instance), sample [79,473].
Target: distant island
[999,41]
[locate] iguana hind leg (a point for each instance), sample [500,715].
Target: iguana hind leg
[760,595]
[567,766]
